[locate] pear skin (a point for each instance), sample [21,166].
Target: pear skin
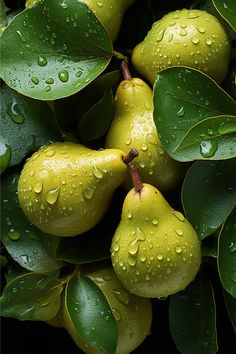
[65,188]
[192,38]
[155,251]
[133,125]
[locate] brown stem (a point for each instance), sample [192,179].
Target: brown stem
[125,71]
[130,156]
[137,182]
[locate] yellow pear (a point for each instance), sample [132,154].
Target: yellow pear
[65,188]
[192,38]
[155,251]
[133,314]
[133,125]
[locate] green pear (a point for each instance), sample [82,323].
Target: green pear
[155,251]
[192,38]
[133,125]
[109,13]
[132,313]
[65,188]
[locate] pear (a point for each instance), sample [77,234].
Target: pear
[65,188]
[109,13]
[133,125]
[192,38]
[132,313]
[155,251]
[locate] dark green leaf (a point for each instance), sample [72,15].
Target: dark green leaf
[71,109]
[192,318]
[54,49]
[91,315]
[25,125]
[96,121]
[227,9]
[31,297]
[27,245]
[227,254]
[230,304]
[183,98]
[209,194]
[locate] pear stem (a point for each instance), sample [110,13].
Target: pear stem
[130,156]
[125,71]
[137,182]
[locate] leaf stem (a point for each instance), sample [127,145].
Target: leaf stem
[130,156]
[125,71]
[137,182]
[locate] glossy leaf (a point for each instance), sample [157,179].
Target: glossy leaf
[25,124]
[209,194]
[96,121]
[192,318]
[227,9]
[27,245]
[230,304]
[54,49]
[227,254]
[91,315]
[31,296]
[184,101]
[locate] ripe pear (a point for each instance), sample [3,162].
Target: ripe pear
[65,188]
[133,125]
[155,251]
[192,38]
[132,313]
[109,13]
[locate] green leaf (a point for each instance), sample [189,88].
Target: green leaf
[91,314]
[27,245]
[227,254]
[25,125]
[230,304]
[96,121]
[209,194]
[210,245]
[31,297]
[184,101]
[54,49]
[192,318]
[227,9]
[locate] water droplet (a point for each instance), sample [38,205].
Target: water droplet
[97,173]
[208,41]
[38,187]
[201,29]
[14,290]
[15,114]
[232,247]
[88,193]
[143,258]
[63,75]
[99,4]
[183,32]
[21,36]
[160,151]
[195,40]
[140,235]
[192,15]
[133,248]
[42,61]
[147,277]
[227,128]
[130,215]
[144,147]
[128,141]
[160,35]
[142,164]
[178,249]
[8,221]
[35,80]
[179,232]
[160,257]
[50,153]
[47,88]
[24,258]
[208,148]
[116,247]
[49,81]
[121,295]
[154,221]
[14,235]
[64,5]
[52,195]
[132,261]
[181,112]
[178,215]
